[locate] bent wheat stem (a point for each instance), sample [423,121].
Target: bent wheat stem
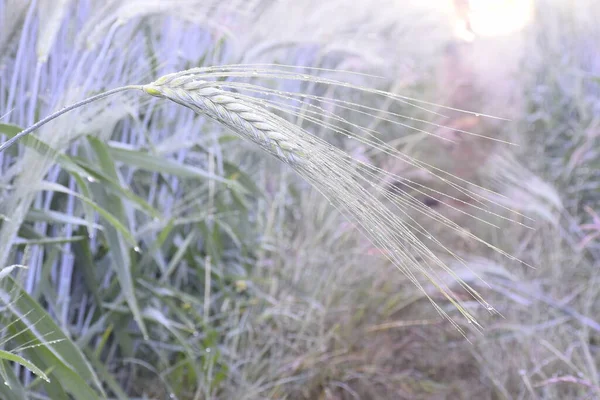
[62,111]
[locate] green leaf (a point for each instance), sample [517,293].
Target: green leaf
[119,252]
[44,285]
[107,377]
[117,189]
[11,388]
[54,240]
[72,371]
[7,270]
[228,138]
[28,232]
[86,264]
[114,222]
[42,148]
[233,173]
[5,355]
[162,165]
[35,215]
[10,130]
[181,250]
[155,249]
[84,188]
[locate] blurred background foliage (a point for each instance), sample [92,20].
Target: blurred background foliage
[149,253]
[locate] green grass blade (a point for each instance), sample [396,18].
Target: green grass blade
[162,165]
[119,251]
[5,355]
[52,240]
[108,216]
[71,369]
[56,217]
[118,189]
[10,387]
[106,376]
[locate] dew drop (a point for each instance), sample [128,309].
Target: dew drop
[91,179]
[137,249]
[208,350]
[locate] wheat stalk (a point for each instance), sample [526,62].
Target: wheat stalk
[346,183]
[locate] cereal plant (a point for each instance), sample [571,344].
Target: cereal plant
[267,199]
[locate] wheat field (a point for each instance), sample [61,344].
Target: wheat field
[261,199]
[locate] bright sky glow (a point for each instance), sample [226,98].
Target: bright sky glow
[499,17]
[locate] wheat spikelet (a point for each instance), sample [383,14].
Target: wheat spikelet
[265,129]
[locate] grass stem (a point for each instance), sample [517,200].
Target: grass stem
[57,114]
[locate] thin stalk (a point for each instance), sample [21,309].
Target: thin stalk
[57,114]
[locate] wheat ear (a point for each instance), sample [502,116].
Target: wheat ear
[331,171]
